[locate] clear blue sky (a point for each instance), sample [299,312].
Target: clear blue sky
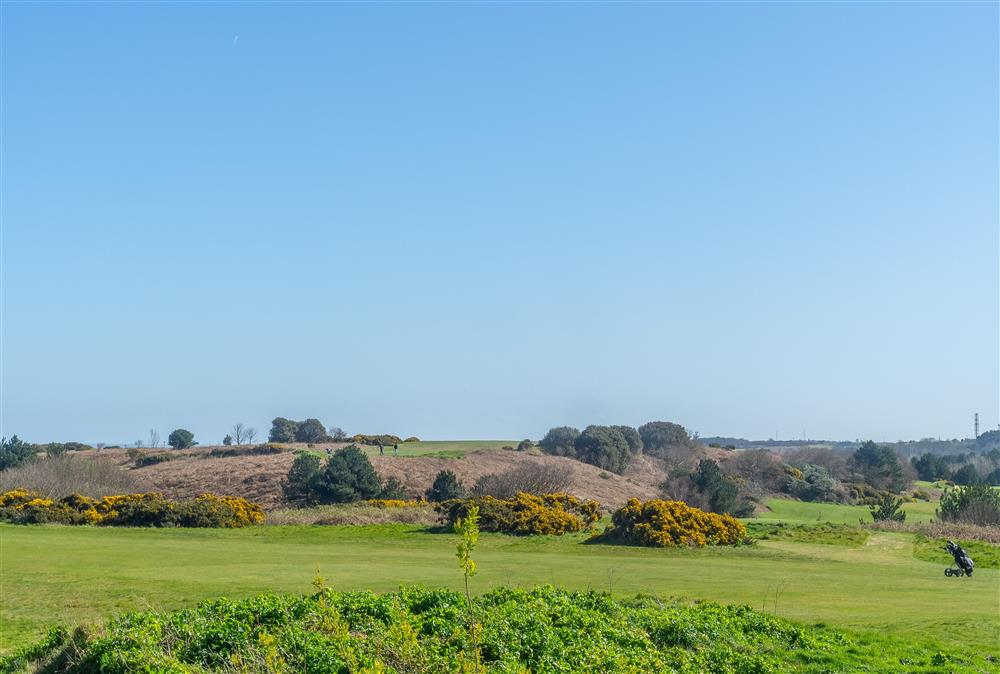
[483,220]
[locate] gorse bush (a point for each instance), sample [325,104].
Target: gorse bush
[424,631]
[525,514]
[670,523]
[129,510]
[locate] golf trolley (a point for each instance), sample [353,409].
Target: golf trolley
[962,561]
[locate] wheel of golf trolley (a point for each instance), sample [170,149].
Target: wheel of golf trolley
[947,572]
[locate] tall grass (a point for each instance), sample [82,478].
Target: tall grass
[353,513]
[63,475]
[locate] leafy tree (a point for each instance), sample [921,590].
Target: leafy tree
[298,486]
[988,440]
[228,440]
[282,430]
[446,486]
[888,509]
[879,466]
[560,441]
[930,467]
[348,476]
[16,452]
[658,436]
[310,430]
[967,474]
[392,489]
[181,439]
[816,483]
[604,447]
[722,492]
[631,437]
[974,504]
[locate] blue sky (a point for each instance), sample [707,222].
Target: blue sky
[483,220]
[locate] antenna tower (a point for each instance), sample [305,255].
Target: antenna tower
[975,425]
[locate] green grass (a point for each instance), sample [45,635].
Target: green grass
[78,574]
[827,534]
[810,513]
[984,555]
[449,449]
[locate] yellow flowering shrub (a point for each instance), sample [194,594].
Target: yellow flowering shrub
[396,503]
[660,523]
[135,510]
[525,514]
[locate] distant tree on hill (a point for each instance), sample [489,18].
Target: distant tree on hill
[154,438]
[239,433]
[604,447]
[722,492]
[560,441]
[879,466]
[16,452]
[337,434]
[658,436]
[181,439]
[228,440]
[282,430]
[632,437]
[311,430]
[346,476]
[446,486]
[966,475]
[250,433]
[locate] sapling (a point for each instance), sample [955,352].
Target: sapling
[467,529]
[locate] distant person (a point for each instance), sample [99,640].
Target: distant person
[395,450]
[381,450]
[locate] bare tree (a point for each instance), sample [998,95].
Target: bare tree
[138,443]
[154,438]
[337,433]
[250,434]
[239,433]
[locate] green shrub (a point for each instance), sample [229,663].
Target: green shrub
[152,459]
[604,447]
[412,438]
[446,486]
[346,476]
[424,631]
[973,504]
[250,450]
[810,483]
[525,445]
[659,436]
[560,441]
[888,509]
[16,452]
[181,439]
[722,491]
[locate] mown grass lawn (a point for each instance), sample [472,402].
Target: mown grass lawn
[834,513]
[444,448]
[72,575]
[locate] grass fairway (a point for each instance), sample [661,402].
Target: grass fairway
[801,512]
[454,449]
[79,574]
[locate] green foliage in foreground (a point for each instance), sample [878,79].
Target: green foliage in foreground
[418,630]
